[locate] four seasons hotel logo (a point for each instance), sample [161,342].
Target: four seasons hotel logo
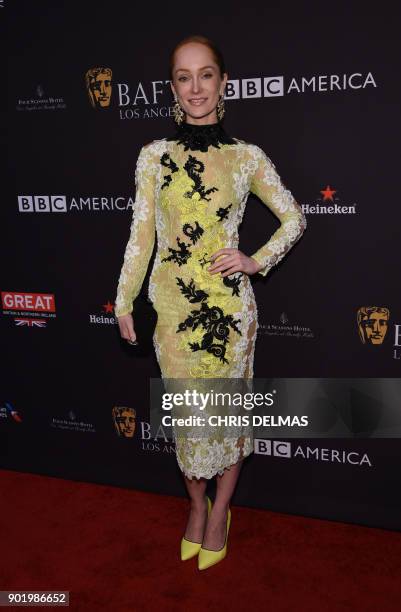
[98,86]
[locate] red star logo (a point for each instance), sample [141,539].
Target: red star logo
[108,307]
[328,193]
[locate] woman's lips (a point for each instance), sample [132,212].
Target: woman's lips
[198,102]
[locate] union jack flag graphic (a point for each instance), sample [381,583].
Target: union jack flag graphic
[13,413]
[30,322]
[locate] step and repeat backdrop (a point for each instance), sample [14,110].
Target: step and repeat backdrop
[88,86]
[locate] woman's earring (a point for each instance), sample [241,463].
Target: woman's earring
[178,112]
[220,107]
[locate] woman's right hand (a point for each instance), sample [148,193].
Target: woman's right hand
[126,325]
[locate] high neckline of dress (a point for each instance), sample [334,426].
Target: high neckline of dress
[199,137]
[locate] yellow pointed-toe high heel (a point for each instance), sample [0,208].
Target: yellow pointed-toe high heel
[190,549]
[207,558]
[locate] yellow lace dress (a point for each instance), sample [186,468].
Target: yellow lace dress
[191,192]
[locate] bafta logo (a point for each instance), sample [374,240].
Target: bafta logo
[372,324]
[98,86]
[124,421]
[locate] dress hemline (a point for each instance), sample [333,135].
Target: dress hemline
[220,471]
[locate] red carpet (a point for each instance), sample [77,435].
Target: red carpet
[117,549]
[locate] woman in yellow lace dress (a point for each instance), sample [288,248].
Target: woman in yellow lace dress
[191,192]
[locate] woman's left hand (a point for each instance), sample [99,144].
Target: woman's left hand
[233,260]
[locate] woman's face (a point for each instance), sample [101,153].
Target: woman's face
[197,83]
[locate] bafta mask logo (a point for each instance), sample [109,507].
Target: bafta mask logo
[98,86]
[372,324]
[124,421]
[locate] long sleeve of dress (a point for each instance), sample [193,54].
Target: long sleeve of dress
[268,186]
[141,241]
